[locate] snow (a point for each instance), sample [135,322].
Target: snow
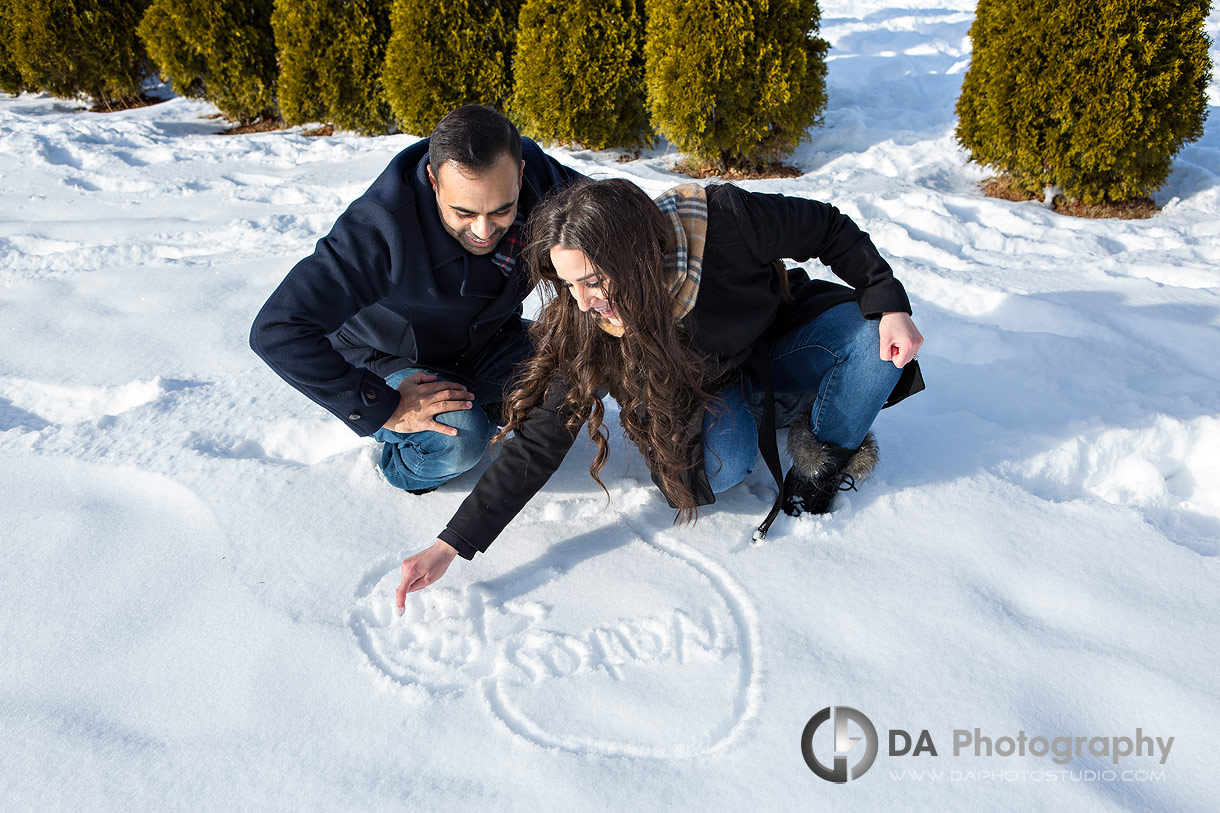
[200,562]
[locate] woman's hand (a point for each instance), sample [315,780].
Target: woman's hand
[900,339]
[423,569]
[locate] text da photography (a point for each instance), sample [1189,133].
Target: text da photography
[840,743]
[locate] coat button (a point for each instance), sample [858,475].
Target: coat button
[370,394]
[355,416]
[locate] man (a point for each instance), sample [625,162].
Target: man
[405,322]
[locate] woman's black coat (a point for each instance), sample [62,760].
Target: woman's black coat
[740,305]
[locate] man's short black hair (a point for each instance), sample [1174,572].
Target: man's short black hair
[474,137]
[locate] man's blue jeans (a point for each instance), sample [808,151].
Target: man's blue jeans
[417,461]
[421,460]
[836,360]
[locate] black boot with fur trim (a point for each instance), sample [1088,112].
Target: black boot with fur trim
[820,470]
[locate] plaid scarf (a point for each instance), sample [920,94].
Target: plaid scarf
[510,246]
[685,207]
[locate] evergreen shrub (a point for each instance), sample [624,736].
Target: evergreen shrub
[219,50]
[446,53]
[1093,96]
[10,74]
[81,47]
[579,72]
[331,54]
[732,82]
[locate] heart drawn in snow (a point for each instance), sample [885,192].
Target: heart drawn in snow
[671,675]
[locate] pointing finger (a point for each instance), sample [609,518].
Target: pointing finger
[400,595]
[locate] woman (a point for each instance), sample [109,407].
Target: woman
[682,310]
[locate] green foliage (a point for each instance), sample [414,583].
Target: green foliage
[10,74]
[446,53]
[75,47]
[1095,96]
[219,50]
[733,82]
[579,72]
[331,54]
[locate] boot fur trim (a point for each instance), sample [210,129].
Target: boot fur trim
[862,462]
[814,458]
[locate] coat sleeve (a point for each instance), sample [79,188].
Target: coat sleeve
[780,227]
[525,464]
[350,268]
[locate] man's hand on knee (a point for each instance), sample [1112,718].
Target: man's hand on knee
[423,397]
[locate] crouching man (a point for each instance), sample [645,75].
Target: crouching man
[405,322]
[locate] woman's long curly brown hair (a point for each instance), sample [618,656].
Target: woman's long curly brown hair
[657,378]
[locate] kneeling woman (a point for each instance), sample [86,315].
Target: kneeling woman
[683,311]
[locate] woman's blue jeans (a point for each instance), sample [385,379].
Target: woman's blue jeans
[836,358]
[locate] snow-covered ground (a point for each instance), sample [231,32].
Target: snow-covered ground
[199,562]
